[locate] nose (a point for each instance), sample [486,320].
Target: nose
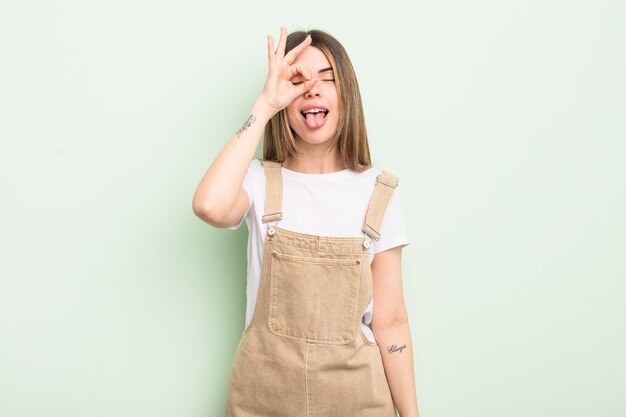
[314,90]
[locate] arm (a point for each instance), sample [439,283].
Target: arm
[219,198]
[391,328]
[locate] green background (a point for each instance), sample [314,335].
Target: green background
[505,122]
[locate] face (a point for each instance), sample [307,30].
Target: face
[310,127]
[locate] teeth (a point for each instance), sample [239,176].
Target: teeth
[315,110]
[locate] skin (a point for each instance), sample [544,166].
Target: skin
[317,155]
[314,145]
[293,81]
[390,326]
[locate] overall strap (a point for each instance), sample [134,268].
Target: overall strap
[273,191]
[385,184]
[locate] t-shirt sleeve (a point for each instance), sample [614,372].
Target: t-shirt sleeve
[247,186]
[393,229]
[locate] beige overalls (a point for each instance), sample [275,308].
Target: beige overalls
[304,353]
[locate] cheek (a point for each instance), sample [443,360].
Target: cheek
[291,117]
[335,98]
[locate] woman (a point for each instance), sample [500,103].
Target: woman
[320,258]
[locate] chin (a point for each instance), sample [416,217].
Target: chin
[314,138]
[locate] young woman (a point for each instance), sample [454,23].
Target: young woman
[326,330]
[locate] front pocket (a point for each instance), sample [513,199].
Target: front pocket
[313,299]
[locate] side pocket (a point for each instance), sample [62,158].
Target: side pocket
[365,339]
[313,299]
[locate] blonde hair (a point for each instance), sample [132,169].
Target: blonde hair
[350,139]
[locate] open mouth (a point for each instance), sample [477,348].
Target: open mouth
[315,117]
[314,112]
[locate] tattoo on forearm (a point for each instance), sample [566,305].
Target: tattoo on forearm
[395,348]
[246,124]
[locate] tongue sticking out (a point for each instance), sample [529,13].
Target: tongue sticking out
[316,120]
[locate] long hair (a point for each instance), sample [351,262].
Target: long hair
[350,140]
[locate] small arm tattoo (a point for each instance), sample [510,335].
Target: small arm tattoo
[395,348]
[246,124]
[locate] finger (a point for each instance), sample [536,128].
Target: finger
[291,55]
[300,69]
[270,50]
[305,86]
[282,43]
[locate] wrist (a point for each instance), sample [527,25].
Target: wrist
[263,110]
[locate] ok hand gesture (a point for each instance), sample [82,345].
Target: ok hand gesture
[278,92]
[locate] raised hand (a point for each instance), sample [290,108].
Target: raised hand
[278,92]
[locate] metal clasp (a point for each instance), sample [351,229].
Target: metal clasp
[271,230]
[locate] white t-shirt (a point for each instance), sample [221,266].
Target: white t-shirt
[332,204]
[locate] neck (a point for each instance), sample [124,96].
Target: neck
[324,164]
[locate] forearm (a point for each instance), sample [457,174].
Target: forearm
[220,185]
[397,353]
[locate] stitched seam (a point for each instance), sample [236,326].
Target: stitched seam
[306,377]
[390,181]
[354,296]
[316,237]
[306,260]
[356,252]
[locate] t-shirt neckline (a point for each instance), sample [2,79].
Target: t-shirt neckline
[328,176]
